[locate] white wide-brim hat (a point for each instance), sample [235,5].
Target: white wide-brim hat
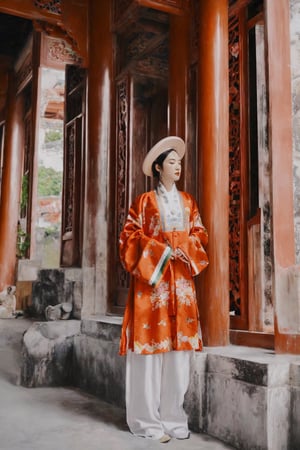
[167,143]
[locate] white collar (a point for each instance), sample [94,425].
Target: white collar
[162,190]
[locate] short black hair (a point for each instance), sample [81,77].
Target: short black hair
[159,160]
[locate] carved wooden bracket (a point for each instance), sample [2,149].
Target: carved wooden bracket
[142,43]
[58,46]
[70,25]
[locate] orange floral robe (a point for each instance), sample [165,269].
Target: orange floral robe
[161,312]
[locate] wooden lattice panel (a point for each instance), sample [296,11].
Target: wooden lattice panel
[69,186]
[234,165]
[122,170]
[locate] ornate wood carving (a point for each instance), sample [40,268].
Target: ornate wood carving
[59,51]
[71,17]
[234,166]
[52,6]
[125,12]
[24,74]
[138,44]
[69,180]
[143,47]
[57,46]
[122,158]
[153,67]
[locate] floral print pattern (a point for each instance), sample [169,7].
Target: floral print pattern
[184,291]
[155,225]
[153,347]
[161,313]
[160,296]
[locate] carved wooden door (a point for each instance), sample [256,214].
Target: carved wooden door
[73,177]
[250,233]
[238,174]
[134,139]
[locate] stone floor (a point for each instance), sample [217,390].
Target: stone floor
[64,418]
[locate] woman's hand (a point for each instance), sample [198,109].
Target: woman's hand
[179,254]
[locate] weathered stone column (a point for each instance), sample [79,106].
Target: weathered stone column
[11,184]
[286,273]
[213,171]
[100,101]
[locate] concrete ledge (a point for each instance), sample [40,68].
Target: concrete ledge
[102,327]
[242,397]
[239,395]
[246,397]
[98,368]
[238,369]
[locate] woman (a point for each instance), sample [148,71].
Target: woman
[161,245]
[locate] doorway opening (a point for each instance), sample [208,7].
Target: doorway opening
[50,168]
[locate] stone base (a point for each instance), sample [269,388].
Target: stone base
[246,397]
[98,368]
[47,356]
[242,396]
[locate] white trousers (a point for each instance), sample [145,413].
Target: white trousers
[155,389]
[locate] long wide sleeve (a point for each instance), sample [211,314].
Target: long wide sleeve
[142,255]
[195,242]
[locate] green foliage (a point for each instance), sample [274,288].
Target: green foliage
[24,192]
[53,135]
[23,243]
[51,232]
[49,182]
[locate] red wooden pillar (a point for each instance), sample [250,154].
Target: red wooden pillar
[99,119]
[178,83]
[99,113]
[178,74]
[213,170]
[11,185]
[280,115]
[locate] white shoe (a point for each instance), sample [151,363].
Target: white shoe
[164,439]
